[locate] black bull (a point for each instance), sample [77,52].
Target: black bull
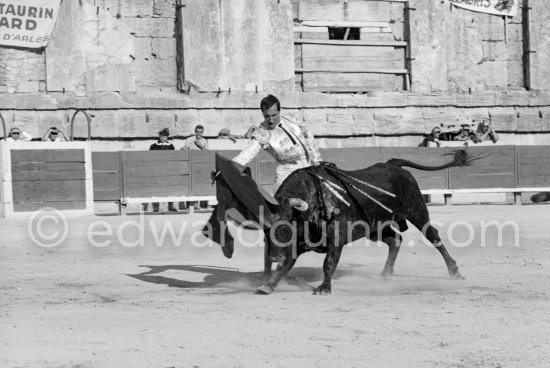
[322,209]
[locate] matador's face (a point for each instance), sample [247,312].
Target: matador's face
[272,116]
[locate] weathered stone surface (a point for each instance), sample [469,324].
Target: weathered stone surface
[28,122]
[539,29]
[428,38]
[133,8]
[435,117]
[491,28]
[156,73]
[58,119]
[143,48]
[111,78]
[66,66]
[164,48]
[164,8]
[150,27]
[363,122]
[241,52]
[504,119]
[28,86]
[528,120]
[346,142]
[545,120]
[495,73]
[132,123]
[158,120]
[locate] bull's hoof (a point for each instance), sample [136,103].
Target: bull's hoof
[540,197]
[322,290]
[386,274]
[264,290]
[457,276]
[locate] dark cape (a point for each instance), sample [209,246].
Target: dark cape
[240,199]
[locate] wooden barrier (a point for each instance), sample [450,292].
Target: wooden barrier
[185,175]
[155,173]
[107,174]
[37,175]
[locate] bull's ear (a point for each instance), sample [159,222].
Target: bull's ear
[298,204]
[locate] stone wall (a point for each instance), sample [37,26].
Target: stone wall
[117,59]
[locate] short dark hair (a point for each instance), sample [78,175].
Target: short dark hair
[199,127]
[269,101]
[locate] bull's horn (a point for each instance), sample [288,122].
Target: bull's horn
[299,204]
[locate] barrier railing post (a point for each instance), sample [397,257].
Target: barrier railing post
[88,120]
[3,126]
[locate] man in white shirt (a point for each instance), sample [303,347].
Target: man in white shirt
[288,141]
[17,135]
[55,135]
[197,141]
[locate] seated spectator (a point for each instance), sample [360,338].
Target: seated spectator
[162,145]
[485,132]
[55,135]
[17,135]
[465,134]
[196,141]
[432,139]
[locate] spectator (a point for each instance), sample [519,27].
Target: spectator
[162,145]
[196,141]
[17,135]
[465,134]
[55,135]
[432,139]
[485,132]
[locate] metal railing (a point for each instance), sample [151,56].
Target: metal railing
[88,120]
[3,126]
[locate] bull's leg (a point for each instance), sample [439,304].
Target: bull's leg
[329,266]
[433,236]
[282,269]
[267,261]
[393,240]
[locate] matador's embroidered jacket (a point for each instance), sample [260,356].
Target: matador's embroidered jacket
[290,143]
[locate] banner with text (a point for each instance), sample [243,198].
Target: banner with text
[508,8]
[27,23]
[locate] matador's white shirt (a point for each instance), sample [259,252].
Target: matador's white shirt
[290,143]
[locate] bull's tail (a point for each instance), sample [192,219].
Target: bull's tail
[460,159]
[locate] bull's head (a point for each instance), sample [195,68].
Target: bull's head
[287,231]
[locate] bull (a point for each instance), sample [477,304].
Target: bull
[322,209]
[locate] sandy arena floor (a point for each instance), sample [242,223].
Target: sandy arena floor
[103,299]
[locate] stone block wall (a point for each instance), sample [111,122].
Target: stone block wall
[117,60]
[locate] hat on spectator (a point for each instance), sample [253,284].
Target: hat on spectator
[224,132]
[54,129]
[164,132]
[465,126]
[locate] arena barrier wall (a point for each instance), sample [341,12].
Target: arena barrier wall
[69,177]
[176,175]
[38,175]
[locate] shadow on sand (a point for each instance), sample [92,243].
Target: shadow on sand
[219,277]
